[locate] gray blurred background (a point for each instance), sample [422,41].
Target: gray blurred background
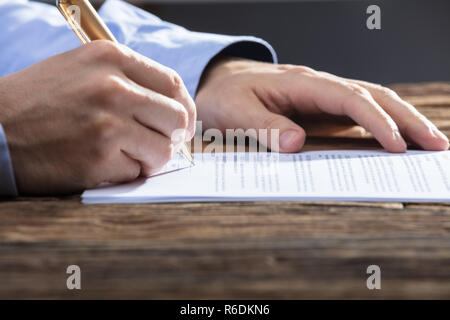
[412,46]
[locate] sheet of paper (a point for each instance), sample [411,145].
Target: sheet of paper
[316,175]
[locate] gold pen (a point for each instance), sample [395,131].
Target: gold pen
[88,26]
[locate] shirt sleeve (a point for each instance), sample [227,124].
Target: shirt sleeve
[33,31]
[185,51]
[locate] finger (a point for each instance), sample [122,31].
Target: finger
[123,169]
[150,148]
[342,98]
[290,136]
[153,110]
[141,70]
[410,121]
[109,165]
[161,79]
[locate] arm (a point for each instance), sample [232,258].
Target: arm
[41,30]
[270,93]
[37,31]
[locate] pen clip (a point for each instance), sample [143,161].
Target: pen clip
[72,14]
[84,20]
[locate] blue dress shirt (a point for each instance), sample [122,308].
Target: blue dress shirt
[34,31]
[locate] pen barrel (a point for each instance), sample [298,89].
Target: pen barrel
[81,15]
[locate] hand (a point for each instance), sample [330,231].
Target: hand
[98,113]
[238,93]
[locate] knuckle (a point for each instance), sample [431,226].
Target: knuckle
[386,91]
[113,85]
[175,84]
[108,88]
[103,50]
[182,117]
[300,70]
[355,93]
[104,127]
[358,91]
[285,67]
[270,122]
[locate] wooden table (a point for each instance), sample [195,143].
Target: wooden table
[232,250]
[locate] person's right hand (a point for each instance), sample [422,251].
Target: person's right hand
[99,113]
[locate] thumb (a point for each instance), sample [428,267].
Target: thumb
[290,136]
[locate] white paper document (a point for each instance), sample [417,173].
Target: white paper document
[315,175]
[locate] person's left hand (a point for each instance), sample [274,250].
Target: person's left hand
[239,93]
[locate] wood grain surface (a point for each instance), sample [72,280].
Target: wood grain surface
[267,250]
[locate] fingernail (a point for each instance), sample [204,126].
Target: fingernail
[288,139]
[438,134]
[399,138]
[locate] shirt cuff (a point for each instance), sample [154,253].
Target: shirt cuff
[8,184]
